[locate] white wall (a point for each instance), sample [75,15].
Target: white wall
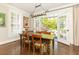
[5,32]
[76,25]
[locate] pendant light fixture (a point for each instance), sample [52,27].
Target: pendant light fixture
[39,14]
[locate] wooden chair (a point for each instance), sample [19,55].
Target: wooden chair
[26,40]
[47,42]
[37,43]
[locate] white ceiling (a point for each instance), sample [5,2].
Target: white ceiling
[29,7]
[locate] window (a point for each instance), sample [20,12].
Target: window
[50,23]
[15,24]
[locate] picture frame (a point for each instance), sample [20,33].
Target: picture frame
[2,19]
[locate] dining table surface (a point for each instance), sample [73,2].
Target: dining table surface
[51,40]
[44,36]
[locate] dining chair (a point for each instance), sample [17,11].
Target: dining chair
[26,39]
[38,43]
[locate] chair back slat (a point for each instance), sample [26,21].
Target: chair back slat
[39,37]
[36,36]
[44,32]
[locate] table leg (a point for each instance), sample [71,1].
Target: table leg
[51,44]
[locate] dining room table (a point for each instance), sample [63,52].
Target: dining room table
[46,37]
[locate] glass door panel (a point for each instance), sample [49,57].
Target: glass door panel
[62,34]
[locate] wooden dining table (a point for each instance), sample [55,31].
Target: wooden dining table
[51,41]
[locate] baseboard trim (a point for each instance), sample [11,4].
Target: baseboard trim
[8,41]
[63,43]
[75,45]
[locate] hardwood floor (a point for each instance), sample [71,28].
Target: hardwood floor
[13,48]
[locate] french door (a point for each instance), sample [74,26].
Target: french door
[64,19]
[65,26]
[63,30]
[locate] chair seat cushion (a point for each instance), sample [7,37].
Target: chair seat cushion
[38,44]
[27,41]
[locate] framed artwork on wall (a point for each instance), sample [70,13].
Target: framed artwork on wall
[2,19]
[25,22]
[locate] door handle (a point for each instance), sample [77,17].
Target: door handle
[67,30]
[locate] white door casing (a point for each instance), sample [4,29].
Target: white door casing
[68,12]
